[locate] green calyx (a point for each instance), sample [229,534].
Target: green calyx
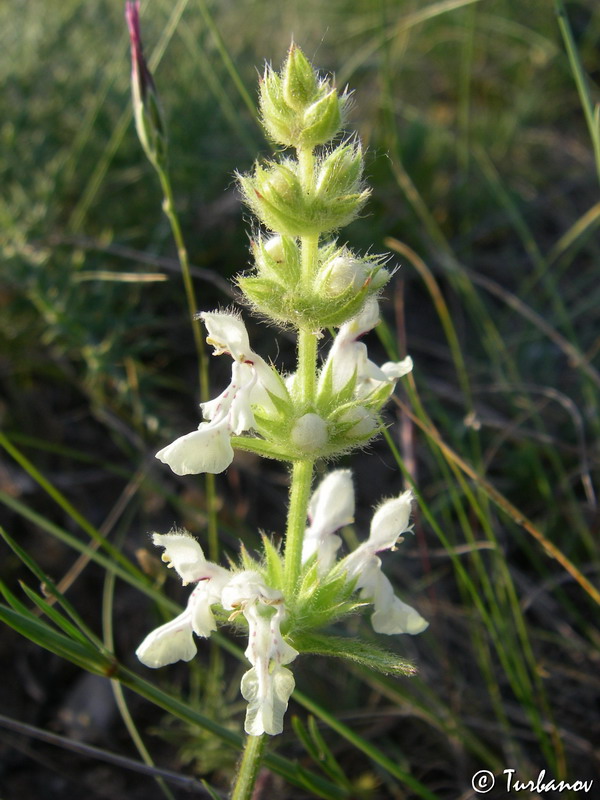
[333,424]
[334,294]
[321,601]
[276,195]
[298,108]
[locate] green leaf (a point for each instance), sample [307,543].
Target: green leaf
[367,654]
[329,762]
[82,547]
[38,631]
[13,600]
[55,615]
[211,791]
[44,580]
[274,563]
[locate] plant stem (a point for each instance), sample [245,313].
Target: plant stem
[305,391]
[296,523]
[203,378]
[248,768]
[182,255]
[307,362]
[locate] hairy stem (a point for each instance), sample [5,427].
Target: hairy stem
[305,388]
[248,768]
[296,523]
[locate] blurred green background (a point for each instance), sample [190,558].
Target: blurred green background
[484,158]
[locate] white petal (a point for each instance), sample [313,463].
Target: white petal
[325,549]
[397,369]
[206,450]
[331,507]
[267,697]
[391,615]
[247,587]
[227,334]
[203,620]
[346,362]
[363,322]
[184,554]
[169,643]
[389,522]
[233,405]
[268,382]
[265,642]
[398,618]
[206,594]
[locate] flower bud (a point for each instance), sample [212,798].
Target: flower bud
[300,83]
[340,274]
[273,247]
[340,172]
[278,257]
[363,422]
[322,120]
[298,109]
[279,120]
[275,195]
[277,262]
[147,112]
[310,434]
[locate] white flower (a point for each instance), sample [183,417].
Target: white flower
[391,614]
[331,507]
[209,448]
[348,357]
[267,686]
[174,641]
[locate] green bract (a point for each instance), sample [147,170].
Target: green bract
[276,195]
[298,108]
[335,293]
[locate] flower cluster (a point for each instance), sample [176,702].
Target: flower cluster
[268,685]
[249,593]
[350,392]
[304,279]
[253,382]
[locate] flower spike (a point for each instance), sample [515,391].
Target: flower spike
[303,278]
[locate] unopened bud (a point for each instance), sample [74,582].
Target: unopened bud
[310,434]
[300,82]
[340,172]
[342,273]
[277,117]
[364,423]
[274,248]
[298,108]
[322,120]
[147,112]
[277,258]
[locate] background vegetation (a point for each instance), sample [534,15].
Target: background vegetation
[484,156]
